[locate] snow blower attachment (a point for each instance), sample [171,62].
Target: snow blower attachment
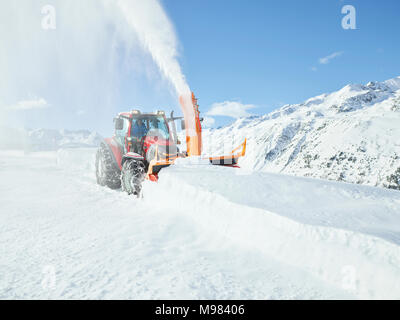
[144,143]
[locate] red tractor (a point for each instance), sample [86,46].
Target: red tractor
[144,143]
[126,159]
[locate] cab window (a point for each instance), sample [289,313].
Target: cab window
[158,126]
[120,134]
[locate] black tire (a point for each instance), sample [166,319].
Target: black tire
[107,174]
[132,175]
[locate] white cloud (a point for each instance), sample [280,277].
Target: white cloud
[208,122]
[80,112]
[30,104]
[231,109]
[314,69]
[327,59]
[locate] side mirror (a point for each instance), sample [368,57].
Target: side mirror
[183,124]
[119,124]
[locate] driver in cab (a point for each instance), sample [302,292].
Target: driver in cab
[139,130]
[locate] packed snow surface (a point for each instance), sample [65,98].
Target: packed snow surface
[201,232]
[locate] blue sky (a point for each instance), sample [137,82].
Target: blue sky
[262,52]
[258,52]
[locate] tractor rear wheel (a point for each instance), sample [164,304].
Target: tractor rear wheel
[106,172]
[132,175]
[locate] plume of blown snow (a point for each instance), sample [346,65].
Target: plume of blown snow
[156,34]
[88,43]
[58,64]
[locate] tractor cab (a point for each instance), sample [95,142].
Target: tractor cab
[152,125]
[146,134]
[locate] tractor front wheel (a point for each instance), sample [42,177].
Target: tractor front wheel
[132,175]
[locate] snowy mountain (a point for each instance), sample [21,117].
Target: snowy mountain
[351,135]
[54,139]
[47,139]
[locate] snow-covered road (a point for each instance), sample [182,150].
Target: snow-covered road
[201,232]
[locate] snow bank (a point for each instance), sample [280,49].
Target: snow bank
[92,242]
[366,265]
[80,159]
[345,235]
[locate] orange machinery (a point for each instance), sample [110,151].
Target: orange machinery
[192,121]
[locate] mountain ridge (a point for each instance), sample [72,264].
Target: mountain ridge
[350,135]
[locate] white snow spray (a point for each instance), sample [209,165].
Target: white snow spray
[54,63]
[75,64]
[157,35]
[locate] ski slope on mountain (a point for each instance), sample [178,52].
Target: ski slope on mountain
[351,135]
[201,232]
